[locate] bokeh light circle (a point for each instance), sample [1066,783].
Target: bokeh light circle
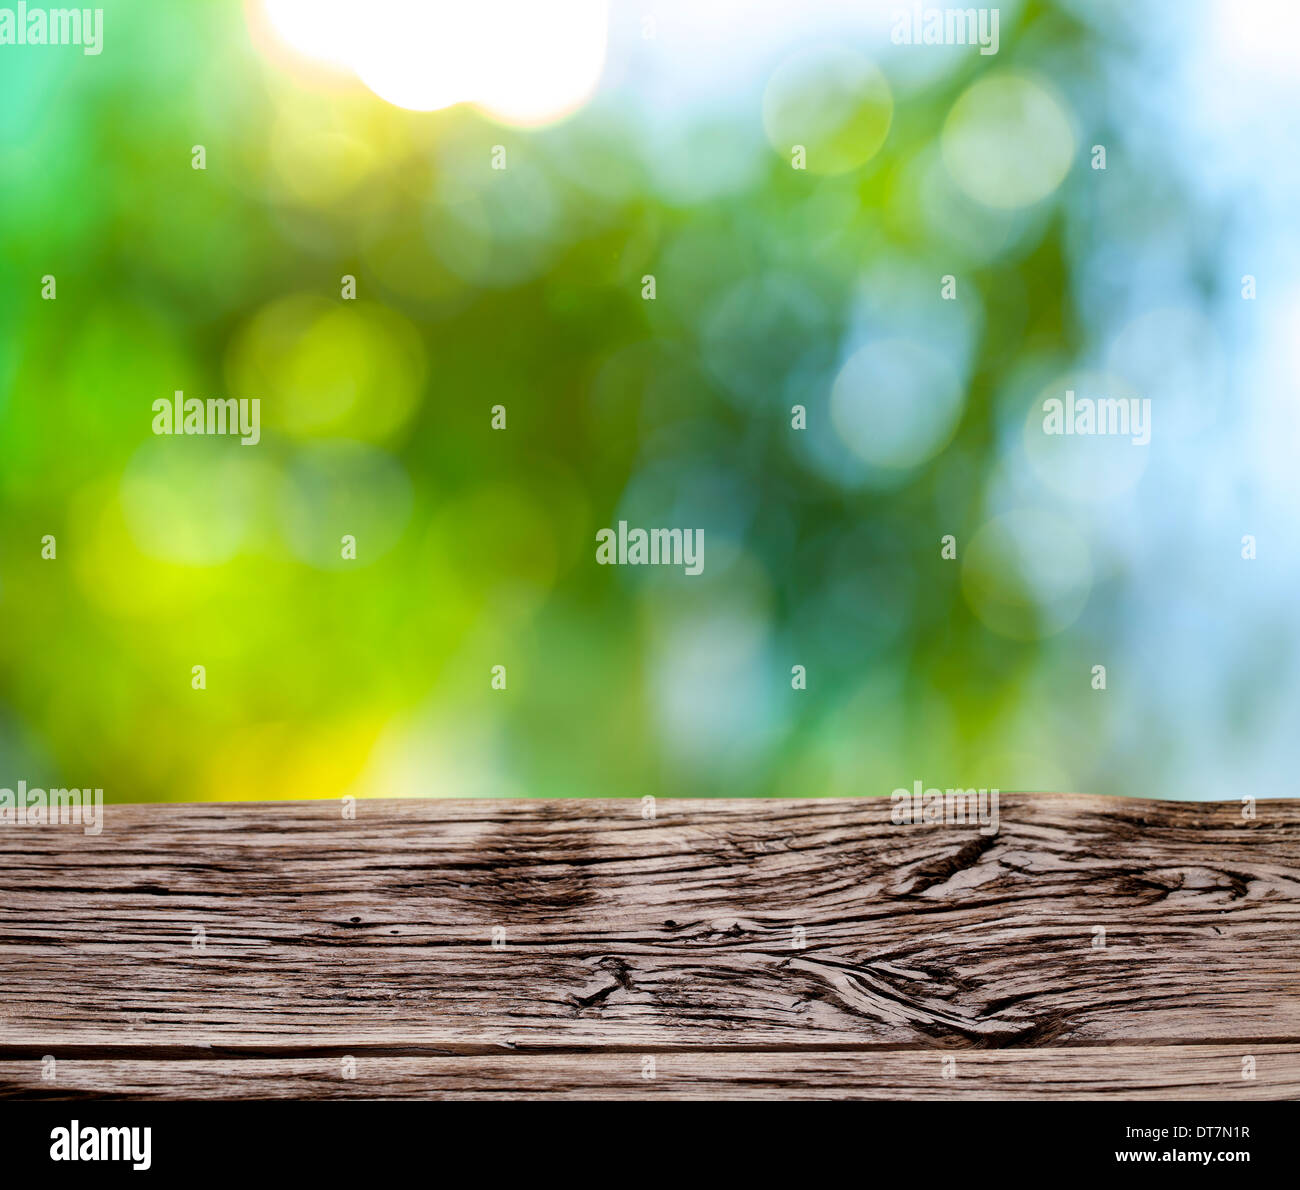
[1007,141]
[1027,574]
[834,102]
[896,403]
[1088,468]
[322,368]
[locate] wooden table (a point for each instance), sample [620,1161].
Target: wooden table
[724,948]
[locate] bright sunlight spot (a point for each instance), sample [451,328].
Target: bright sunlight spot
[523,62]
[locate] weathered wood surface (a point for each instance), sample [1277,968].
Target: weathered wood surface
[772,948]
[1196,1072]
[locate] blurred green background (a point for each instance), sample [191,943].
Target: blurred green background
[522,287]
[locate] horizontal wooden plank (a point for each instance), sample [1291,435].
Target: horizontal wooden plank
[1122,1072]
[751,925]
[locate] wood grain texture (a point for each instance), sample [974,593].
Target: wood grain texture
[1197,1072]
[675,938]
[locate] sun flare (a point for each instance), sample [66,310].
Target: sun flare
[522,62]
